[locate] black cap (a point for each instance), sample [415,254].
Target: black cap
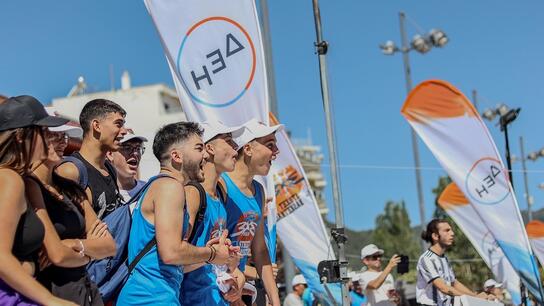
[23,111]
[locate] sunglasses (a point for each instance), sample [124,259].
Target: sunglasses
[375,257]
[57,136]
[127,149]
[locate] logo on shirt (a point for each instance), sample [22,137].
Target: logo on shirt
[245,231]
[218,227]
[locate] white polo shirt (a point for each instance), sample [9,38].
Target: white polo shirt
[377,297]
[431,266]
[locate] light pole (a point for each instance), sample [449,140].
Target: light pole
[338,232]
[507,116]
[422,44]
[533,156]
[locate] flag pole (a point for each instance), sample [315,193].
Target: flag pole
[338,232]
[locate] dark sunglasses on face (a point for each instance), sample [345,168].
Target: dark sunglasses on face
[57,136]
[375,257]
[127,149]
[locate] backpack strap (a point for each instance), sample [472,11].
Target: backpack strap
[113,173]
[83,175]
[141,254]
[153,241]
[203,203]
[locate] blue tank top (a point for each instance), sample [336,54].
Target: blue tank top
[152,281]
[243,216]
[199,286]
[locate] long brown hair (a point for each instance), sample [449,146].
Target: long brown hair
[16,147]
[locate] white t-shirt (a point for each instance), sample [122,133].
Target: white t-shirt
[431,266]
[293,299]
[127,194]
[377,297]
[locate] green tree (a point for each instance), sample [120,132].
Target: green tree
[471,273]
[395,236]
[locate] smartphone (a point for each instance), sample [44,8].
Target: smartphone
[403,265]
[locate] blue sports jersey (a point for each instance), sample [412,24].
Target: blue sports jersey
[199,286]
[152,281]
[243,216]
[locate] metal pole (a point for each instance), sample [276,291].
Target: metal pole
[475,99]
[523,289]
[415,148]
[267,44]
[288,264]
[525,180]
[339,214]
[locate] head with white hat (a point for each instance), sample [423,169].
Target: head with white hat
[371,256]
[219,143]
[258,146]
[127,159]
[299,284]
[491,284]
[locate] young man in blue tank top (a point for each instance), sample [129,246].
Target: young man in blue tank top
[245,200]
[199,285]
[160,214]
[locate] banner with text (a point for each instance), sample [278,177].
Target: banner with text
[215,54]
[454,132]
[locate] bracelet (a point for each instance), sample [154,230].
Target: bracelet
[82,247]
[212,254]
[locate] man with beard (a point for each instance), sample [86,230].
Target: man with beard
[436,283]
[212,284]
[103,124]
[126,162]
[245,200]
[159,214]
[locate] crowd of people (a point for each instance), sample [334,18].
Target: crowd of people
[196,232]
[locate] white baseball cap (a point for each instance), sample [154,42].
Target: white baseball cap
[254,129]
[370,249]
[298,279]
[213,128]
[492,283]
[71,129]
[133,136]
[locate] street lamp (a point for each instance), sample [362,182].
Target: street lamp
[422,44]
[507,116]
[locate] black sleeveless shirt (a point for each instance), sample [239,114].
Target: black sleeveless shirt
[28,236]
[105,195]
[69,223]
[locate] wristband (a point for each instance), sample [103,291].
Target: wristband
[212,253]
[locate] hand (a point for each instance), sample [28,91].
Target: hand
[393,262]
[222,253]
[98,229]
[75,244]
[491,297]
[234,293]
[234,260]
[275,270]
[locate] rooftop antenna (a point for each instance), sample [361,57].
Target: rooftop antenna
[79,88]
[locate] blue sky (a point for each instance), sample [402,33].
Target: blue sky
[495,47]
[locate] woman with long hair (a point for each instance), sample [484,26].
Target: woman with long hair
[73,233]
[22,149]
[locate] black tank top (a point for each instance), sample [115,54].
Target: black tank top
[105,197]
[69,223]
[28,236]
